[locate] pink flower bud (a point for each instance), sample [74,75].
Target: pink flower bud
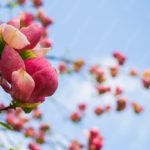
[82,106]
[46,21]
[45,42]
[118,91]
[37,3]
[75,116]
[121,58]
[40,137]
[34,146]
[94,69]
[103,89]
[94,132]
[62,67]
[133,72]
[75,145]
[10,118]
[29,132]
[99,110]
[44,127]
[37,113]
[22,85]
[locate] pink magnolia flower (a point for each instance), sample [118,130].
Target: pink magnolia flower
[38,82]
[31,78]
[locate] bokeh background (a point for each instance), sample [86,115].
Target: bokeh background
[92,30]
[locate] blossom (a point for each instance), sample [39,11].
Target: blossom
[26,73]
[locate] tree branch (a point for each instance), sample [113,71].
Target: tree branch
[6,108]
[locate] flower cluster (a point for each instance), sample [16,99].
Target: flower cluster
[36,3]
[75,145]
[95,139]
[77,115]
[25,73]
[22,123]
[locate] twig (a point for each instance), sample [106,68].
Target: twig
[6,108]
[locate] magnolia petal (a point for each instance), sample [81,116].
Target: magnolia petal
[15,22]
[11,61]
[40,52]
[33,33]
[36,64]
[22,85]
[13,37]
[46,82]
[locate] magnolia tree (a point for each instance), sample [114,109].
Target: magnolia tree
[28,77]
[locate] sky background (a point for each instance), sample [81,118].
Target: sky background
[93,29]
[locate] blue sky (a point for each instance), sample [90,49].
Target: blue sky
[93,29]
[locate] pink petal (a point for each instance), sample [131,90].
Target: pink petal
[10,61]
[46,82]
[33,34]
[36,64]
[13,37]
[22,85]
[26,19]
[15,22]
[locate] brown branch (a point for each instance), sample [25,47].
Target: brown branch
[6,108]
